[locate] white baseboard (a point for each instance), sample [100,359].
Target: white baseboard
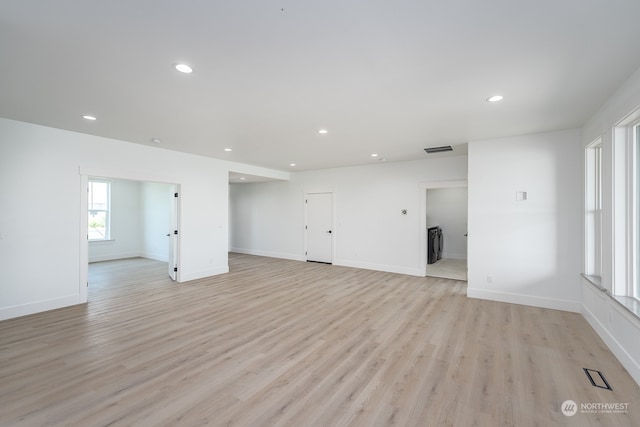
[38,306]
[281,255]
[342,262]
[112,257]
[453,256]
[534,301]
[157,257]
[616,348]
[380,267]
[188,276]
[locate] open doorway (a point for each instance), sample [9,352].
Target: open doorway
[444,229]
[245,192]
[447,233]
[128,219]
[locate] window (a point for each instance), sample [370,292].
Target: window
[635,196]
[99,209]
[593,209]
[626,208]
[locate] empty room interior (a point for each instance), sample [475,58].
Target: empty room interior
[335,213]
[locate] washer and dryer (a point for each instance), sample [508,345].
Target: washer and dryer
[435,243]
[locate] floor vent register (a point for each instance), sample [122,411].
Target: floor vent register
[597,379]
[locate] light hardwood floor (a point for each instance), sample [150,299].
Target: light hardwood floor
[287,343]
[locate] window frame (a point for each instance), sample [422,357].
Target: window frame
[626,215]
[107,234]
[593,261]
[633,151]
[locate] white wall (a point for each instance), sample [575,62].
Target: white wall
[140,215]
[41,171]
[266,219]
[155,219]
[447,207]
[125,234]
[369,229]
[615,325]
[529,250]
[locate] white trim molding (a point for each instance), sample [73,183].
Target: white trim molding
[38,306]
[530,300]
[618,328]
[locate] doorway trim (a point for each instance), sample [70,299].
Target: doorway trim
[132,175]
[423,187]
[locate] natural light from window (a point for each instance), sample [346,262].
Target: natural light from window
[593,209]
[636,205]
[98,195]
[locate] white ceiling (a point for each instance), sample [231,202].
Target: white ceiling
[383,77]
[244,178]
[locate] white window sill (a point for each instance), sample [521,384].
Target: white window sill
[102,241]
[632,305]
[595,281]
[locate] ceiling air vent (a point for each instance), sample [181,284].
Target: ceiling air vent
[441,149]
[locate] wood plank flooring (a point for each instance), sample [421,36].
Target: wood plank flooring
[285,343]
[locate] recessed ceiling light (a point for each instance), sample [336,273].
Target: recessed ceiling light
[88,117]
[374,155]
[292,164]
[323,131]
[242,178]
[495,98]
[184,68]
[155,140]
[228,149]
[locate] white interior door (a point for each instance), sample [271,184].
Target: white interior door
[319,227]
[173,235]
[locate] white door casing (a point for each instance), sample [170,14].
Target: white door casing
[422,188]
[132,175]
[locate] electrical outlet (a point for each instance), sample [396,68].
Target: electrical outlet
[489,279]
